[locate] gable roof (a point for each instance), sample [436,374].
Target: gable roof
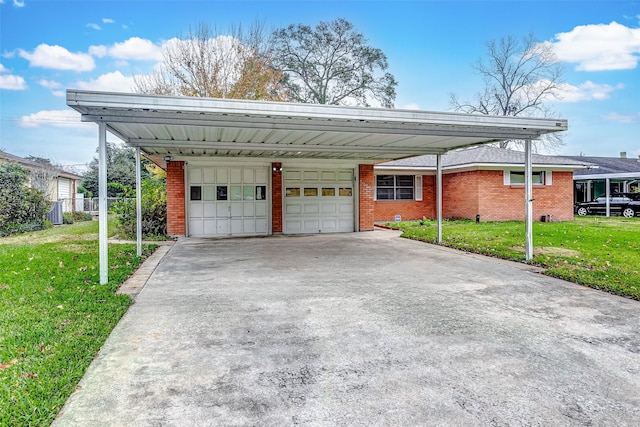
[484,156]
[30,164]
[609,166]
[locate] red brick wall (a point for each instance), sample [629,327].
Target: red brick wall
[466,194]
[386,210]
[276,198]
[176,219]
[366,188]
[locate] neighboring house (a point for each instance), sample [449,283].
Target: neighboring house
[484,181]
[622,174]
[62,187]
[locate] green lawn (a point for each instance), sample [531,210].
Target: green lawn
[599,252]
[54,315]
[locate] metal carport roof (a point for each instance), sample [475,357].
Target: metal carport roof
[190,126]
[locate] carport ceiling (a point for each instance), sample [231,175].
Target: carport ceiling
[186,126]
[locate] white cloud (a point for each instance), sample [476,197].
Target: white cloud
[57,118]
[12,82]
[49,84]
[58,58]
[18,3]
[599,47]
[587,91]
[622,118]
[108,21]
[134,48]
[110,82]
[3,69]
[94,26]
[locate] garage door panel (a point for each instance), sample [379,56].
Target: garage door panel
[318,201]
[230,201]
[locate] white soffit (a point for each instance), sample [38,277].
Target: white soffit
[189,126]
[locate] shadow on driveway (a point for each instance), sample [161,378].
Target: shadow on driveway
[360,329]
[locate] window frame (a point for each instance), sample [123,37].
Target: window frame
[396,187]
[544,177]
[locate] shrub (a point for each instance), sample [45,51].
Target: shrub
[22,208]
[154,209]
[81,216]
[67,218]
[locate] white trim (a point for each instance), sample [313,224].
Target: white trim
[607,175]
[417,188]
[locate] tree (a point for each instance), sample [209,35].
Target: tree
[43,176]
[22,208]
[520,76]
[121,169]
[332,64]
[207,63]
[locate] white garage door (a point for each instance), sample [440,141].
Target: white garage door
[318,201]
[227,201]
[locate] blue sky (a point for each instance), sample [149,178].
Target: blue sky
[48,46]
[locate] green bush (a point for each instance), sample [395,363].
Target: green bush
[81,216]
[22,208]
[154,209]
[67,218]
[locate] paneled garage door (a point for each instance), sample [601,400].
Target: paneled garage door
[227,201]
[318,201]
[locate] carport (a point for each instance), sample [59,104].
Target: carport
[164,126]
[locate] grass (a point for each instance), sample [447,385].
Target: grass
[54,315]
[599,252]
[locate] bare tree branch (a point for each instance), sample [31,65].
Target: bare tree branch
[520,76]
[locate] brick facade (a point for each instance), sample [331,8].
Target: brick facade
[276,197]
[176,214]
[366,188]
[466,194]
[386,210]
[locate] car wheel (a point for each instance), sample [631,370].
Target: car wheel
[582,211]
[628,213]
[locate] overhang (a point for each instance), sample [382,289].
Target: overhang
[189,126]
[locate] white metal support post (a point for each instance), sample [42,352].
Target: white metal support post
[607,187]
[138,205]
[102,203]
[528,196]
[439,195]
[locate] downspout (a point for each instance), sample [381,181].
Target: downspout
[102,203]
[528,197]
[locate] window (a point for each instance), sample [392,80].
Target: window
[517,178]
[394,187]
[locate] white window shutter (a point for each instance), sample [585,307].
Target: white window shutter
[417,192]
[547,178]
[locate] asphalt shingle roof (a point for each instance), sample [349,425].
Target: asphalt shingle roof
[484,155]
[609,165]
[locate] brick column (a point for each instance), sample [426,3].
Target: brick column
[365,197]
[176,218]
[276,198]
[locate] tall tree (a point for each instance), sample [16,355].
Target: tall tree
[121,169]
[332,64]
[520,76]
[208,63]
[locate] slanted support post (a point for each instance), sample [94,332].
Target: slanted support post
[138,205]
[102,203]
[528,196]
[439,195]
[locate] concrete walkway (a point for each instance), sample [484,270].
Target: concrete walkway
[360,329]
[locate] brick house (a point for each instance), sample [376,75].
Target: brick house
[252,168]
[484,181]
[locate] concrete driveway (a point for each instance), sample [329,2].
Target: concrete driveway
[361,329]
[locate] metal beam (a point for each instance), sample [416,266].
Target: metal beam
[102,204]
[528,196]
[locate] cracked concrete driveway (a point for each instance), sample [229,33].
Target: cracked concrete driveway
[360,329]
